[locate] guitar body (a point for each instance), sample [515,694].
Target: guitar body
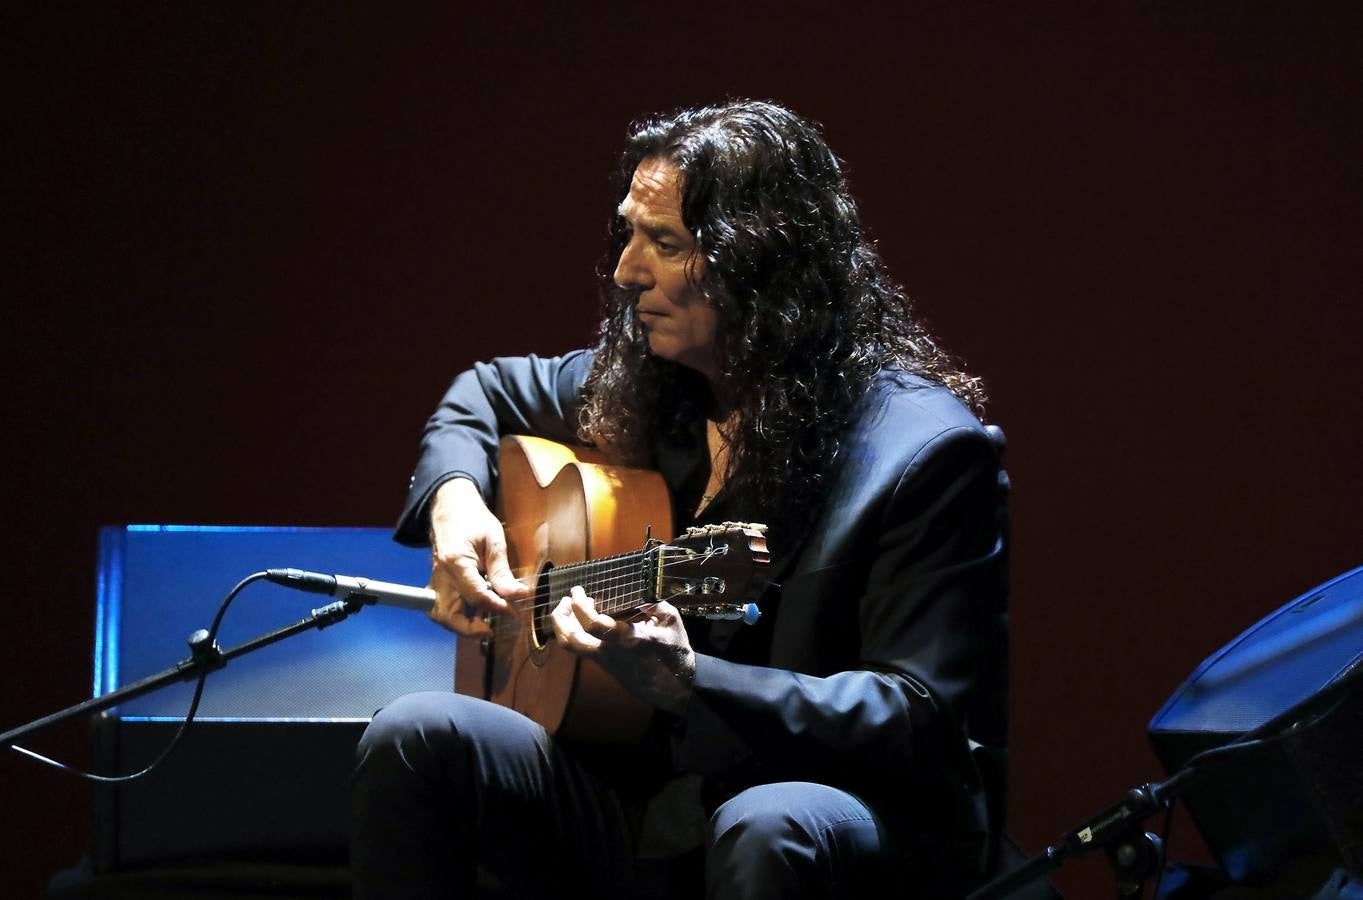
[561,505]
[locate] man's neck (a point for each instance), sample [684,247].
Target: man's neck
[719,407]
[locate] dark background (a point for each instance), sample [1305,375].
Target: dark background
[249,244]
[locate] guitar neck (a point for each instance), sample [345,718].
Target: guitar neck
[618,584]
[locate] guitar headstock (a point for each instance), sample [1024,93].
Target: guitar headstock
[713,570]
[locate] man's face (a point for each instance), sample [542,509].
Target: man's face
[657,263]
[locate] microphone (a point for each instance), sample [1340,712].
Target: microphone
[383,593]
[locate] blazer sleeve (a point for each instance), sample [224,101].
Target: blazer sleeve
[510,395]
[930,645]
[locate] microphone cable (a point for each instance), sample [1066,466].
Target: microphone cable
[204,669]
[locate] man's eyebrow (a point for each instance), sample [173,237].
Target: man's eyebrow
[652,227]
[655,230]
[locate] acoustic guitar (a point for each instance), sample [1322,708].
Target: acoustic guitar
[573,519]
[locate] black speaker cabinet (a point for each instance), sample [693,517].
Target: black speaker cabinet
[263,773]
[1301,799]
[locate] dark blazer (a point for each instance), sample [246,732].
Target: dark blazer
[883,655]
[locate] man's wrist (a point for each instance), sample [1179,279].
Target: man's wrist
[453,488]
[457,487]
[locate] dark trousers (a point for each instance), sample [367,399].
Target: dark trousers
[446,784]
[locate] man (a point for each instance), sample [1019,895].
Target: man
[756,354]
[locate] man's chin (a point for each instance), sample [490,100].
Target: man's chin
[682,360]
[661,348]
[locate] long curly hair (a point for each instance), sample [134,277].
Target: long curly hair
[807,314]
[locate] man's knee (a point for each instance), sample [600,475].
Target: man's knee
[414,730]
[449,737]
[793,810]
[405,718]
[757,815]
[792,837]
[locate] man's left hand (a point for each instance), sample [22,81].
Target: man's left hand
[651,656]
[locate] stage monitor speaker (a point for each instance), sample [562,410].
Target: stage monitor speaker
[263,774]
[1269,809]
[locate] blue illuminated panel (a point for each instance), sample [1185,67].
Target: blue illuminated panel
[158,583]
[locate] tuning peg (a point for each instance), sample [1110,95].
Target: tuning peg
[748,613]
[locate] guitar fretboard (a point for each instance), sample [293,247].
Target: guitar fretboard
[616,583]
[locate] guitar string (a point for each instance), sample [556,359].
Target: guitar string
[606,582]
[509,629]
[610,595]
[607,577]
[630,601]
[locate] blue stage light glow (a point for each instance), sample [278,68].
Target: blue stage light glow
[261,719]
[108,610]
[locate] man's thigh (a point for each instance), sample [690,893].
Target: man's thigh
[449,778]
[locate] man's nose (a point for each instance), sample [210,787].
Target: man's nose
[631,271]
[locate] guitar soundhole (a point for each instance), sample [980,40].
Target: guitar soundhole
[542,607]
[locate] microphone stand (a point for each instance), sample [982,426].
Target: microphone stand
[1134,853]
[205,656]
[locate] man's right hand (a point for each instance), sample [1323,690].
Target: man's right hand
[466,541]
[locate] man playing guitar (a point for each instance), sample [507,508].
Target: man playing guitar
[756,355]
